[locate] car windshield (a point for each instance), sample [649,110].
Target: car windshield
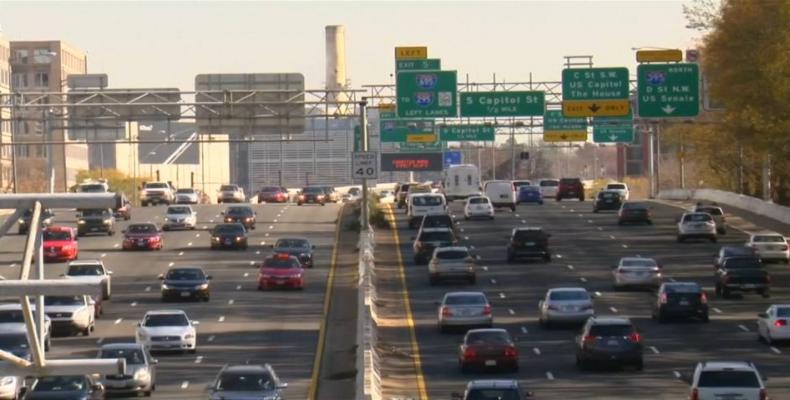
[437,221]
[682,288]
[569,181]
[13,341]
[742,262]
[93,188]
[488,337]
[141,228]
[270,190]
[229,229]
[85,270]
[132,356]
[157,320]
[549,183]
[466,300]
[292,244]
[478,200]
[281,263]
[492,394]
[242,211]
[645,262]
[56,235]
[95,213]
[611,330]
[179,210]
[530,235]
[313,190]
[11,316]
[64,300]
[354,191]
[569,295]
[524,189]
[615,186]
[607,195]
[185,191]
[769,239]
[452,255]
[227,188]
[783,311]
[156,186]
[185,274]
[740,379]
[60,384]
[427,201]
[251,382]
[697,218]
[442,236]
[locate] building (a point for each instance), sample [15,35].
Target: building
[43,66]
[6,138]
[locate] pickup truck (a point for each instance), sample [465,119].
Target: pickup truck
[742,274]
[157,193]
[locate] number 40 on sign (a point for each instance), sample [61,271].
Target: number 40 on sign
[364,165]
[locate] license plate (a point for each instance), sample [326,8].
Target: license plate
[227,241]
[94,229]
[141,242]
[684,302]
[568,308]
[117,384]
[529,243]
[571,193]
[502,196]
[185,294]
[749,286]
[608,201]
[490,363]
[612,343]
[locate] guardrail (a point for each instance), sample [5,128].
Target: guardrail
[753,204]
[368,380]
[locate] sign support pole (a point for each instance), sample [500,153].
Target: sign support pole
[363,126]
[651,161]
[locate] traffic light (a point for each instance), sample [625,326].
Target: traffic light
[524,155]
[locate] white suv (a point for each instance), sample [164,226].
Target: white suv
[714,380]
[696,225]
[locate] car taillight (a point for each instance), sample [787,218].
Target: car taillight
[768,279]
[763,394]
[663,298]
[703,298]
[446,312]
[694,394]
[635,337]
[780,322]
[511,352]
[470,354]
[487,310]
[784,247]
[589,339]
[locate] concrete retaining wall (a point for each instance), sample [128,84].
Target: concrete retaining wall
[753,204]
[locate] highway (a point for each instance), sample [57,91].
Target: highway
[239,325]
[585,245]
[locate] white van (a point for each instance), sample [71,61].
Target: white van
[461,181]
[422,204]
[549,187]
[501,193]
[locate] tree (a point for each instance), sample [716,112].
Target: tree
[118,181]
[702,14]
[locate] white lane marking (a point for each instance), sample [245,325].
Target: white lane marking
[252,262]
[184,384]
[775,350]
[100,340]
[263,243]
[462,230]
[267,234]
[221,318]
[677,374]
[549,375]
[501,295]
[14,265]
[211,338]
[103,255]
[271,226]
[275,220]
[257,252]
[563,206]
[493,281]
[472,247]
[230,302]
[180,253]
[485,268]
[612,309]
[583,279]
[246,274]
[133,304]
[536,351]
[189,244]
[204,227]
[524,330]
[478,257]
[211,221]
[611,237]
[197,235]
[116,245]
[559,255]
[518,216]
[590,221]
[238,287]
[716,310]
[510,311]
[171,264]
[598,294]
[147,288]
[625,246]
[654,350]
[570,267]
[600,229]
[466,237]
[198,359]
[743,327]
[523,221]
[118,321]
[572,210]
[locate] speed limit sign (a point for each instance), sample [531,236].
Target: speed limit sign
[364,165]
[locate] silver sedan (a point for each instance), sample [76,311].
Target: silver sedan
[464,309]
[636,272]
[451,263]
[565,305]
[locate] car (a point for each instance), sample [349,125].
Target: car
[187,196]
[281,271]
[240,214]
[501,194]
[549,187]
[451,263]
[13,321]
[620,188]
[229,236]
[297,247]
[11,387]
[488,349]
[732,251]
[464,310]
[696,226]
[423,204]
[123,212]
[636,272]
[144,236]
[386,197]
[332,195]
[154,193]
[634,212]
[714,380]
[73,314]
[565,305]
[140,375]
[400,193]
[415,190]
[438,220]
[273,194]
[461,181]
[742,274]
[180,217]
[528,242]
[493,389]
[47,219]
[429,239]
[773,324]
[312,195]
[611,340]
[521,183]
[95,220]
[167,330]
[230,194]
[607,200]
[770,246]
[570,188]
[478,207]
[65,387]
[185,283]
[91,271]
[529,194]
[680,300]
[60,244]
[15,341]
[249,381]
[718,216]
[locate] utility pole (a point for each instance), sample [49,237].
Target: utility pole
[363,125]
[50,162]
[512,148]
[651,160]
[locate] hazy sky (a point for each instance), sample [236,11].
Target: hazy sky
[165,44]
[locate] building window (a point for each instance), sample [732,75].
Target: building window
[19,80]
[42,79]
[21,55]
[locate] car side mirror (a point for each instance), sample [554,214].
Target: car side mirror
[77,215]
[139,324]
[161,277]
[762,315]
[209,277]
[222,213]
[195,323]
[98,387]
[123,231]
[109,272]
[91,302]
[155,361]
[282,385]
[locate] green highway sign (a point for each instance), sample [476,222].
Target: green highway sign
[418,65]
[426,94]
[668,90]
[460,133]
[613,129]
[553,120]
[502,104]
[398,130]
[594,83]
[421,147]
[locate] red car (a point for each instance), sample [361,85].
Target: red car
[60,244]
[488,348]
[273,194]
[281,270]
[143,237]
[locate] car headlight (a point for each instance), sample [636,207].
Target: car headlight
[21,221]
[215,238]
[304,255]
[295,276]
[248,219]
[82,221]
[165,287]
[189,336]
[141,375]
[228,219]
[167,219]
[266,276]
[202,287]
[108,221]
[238,238]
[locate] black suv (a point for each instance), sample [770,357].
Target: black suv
[438,221]
[47,218]
[570,188]
[493,389]
[531,242]
[313,195]
[96,220]
[428,239]
[229,236]
[401,192]
[609,340]
[185,283]
[240,214]
[680,299]
[607,200]
[742,274]
[297,247]
[731,251]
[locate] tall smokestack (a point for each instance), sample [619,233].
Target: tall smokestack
[336,63]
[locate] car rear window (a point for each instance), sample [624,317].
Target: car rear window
[742,262]
[519,184]
[156,186]
[178,210]
[493,394]
[185,191]
[436,237]
[769,239]
[280,263]
[635,206]
[437,221]
[11,316]
[611,330]
[227,188]
[569,295]
[783,312]
[478,200]
[697,218]
[426,200]
[239,211]
[525,235]
[452,255]
[638,263]
[728,379]
[488,337]
[56,235]
[85,270]
[142,228]
[710,210]
[466,299]
[569,181]
[618,186]
[682,288]
[183,274]
[550,183]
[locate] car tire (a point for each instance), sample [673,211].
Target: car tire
[639,365]
[582,365]
[680,239]
[765,293]
[165,228]
[441,328]
[432,280]
[558,198]
[147,393]
[595,211]
[110,233]
[192,351]
[725,293]
[48,344]
[650,222]
[713,239]
[512,209]
[706,318]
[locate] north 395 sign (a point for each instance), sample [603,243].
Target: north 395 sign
[364,165]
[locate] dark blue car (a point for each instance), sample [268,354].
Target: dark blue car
[529,194]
